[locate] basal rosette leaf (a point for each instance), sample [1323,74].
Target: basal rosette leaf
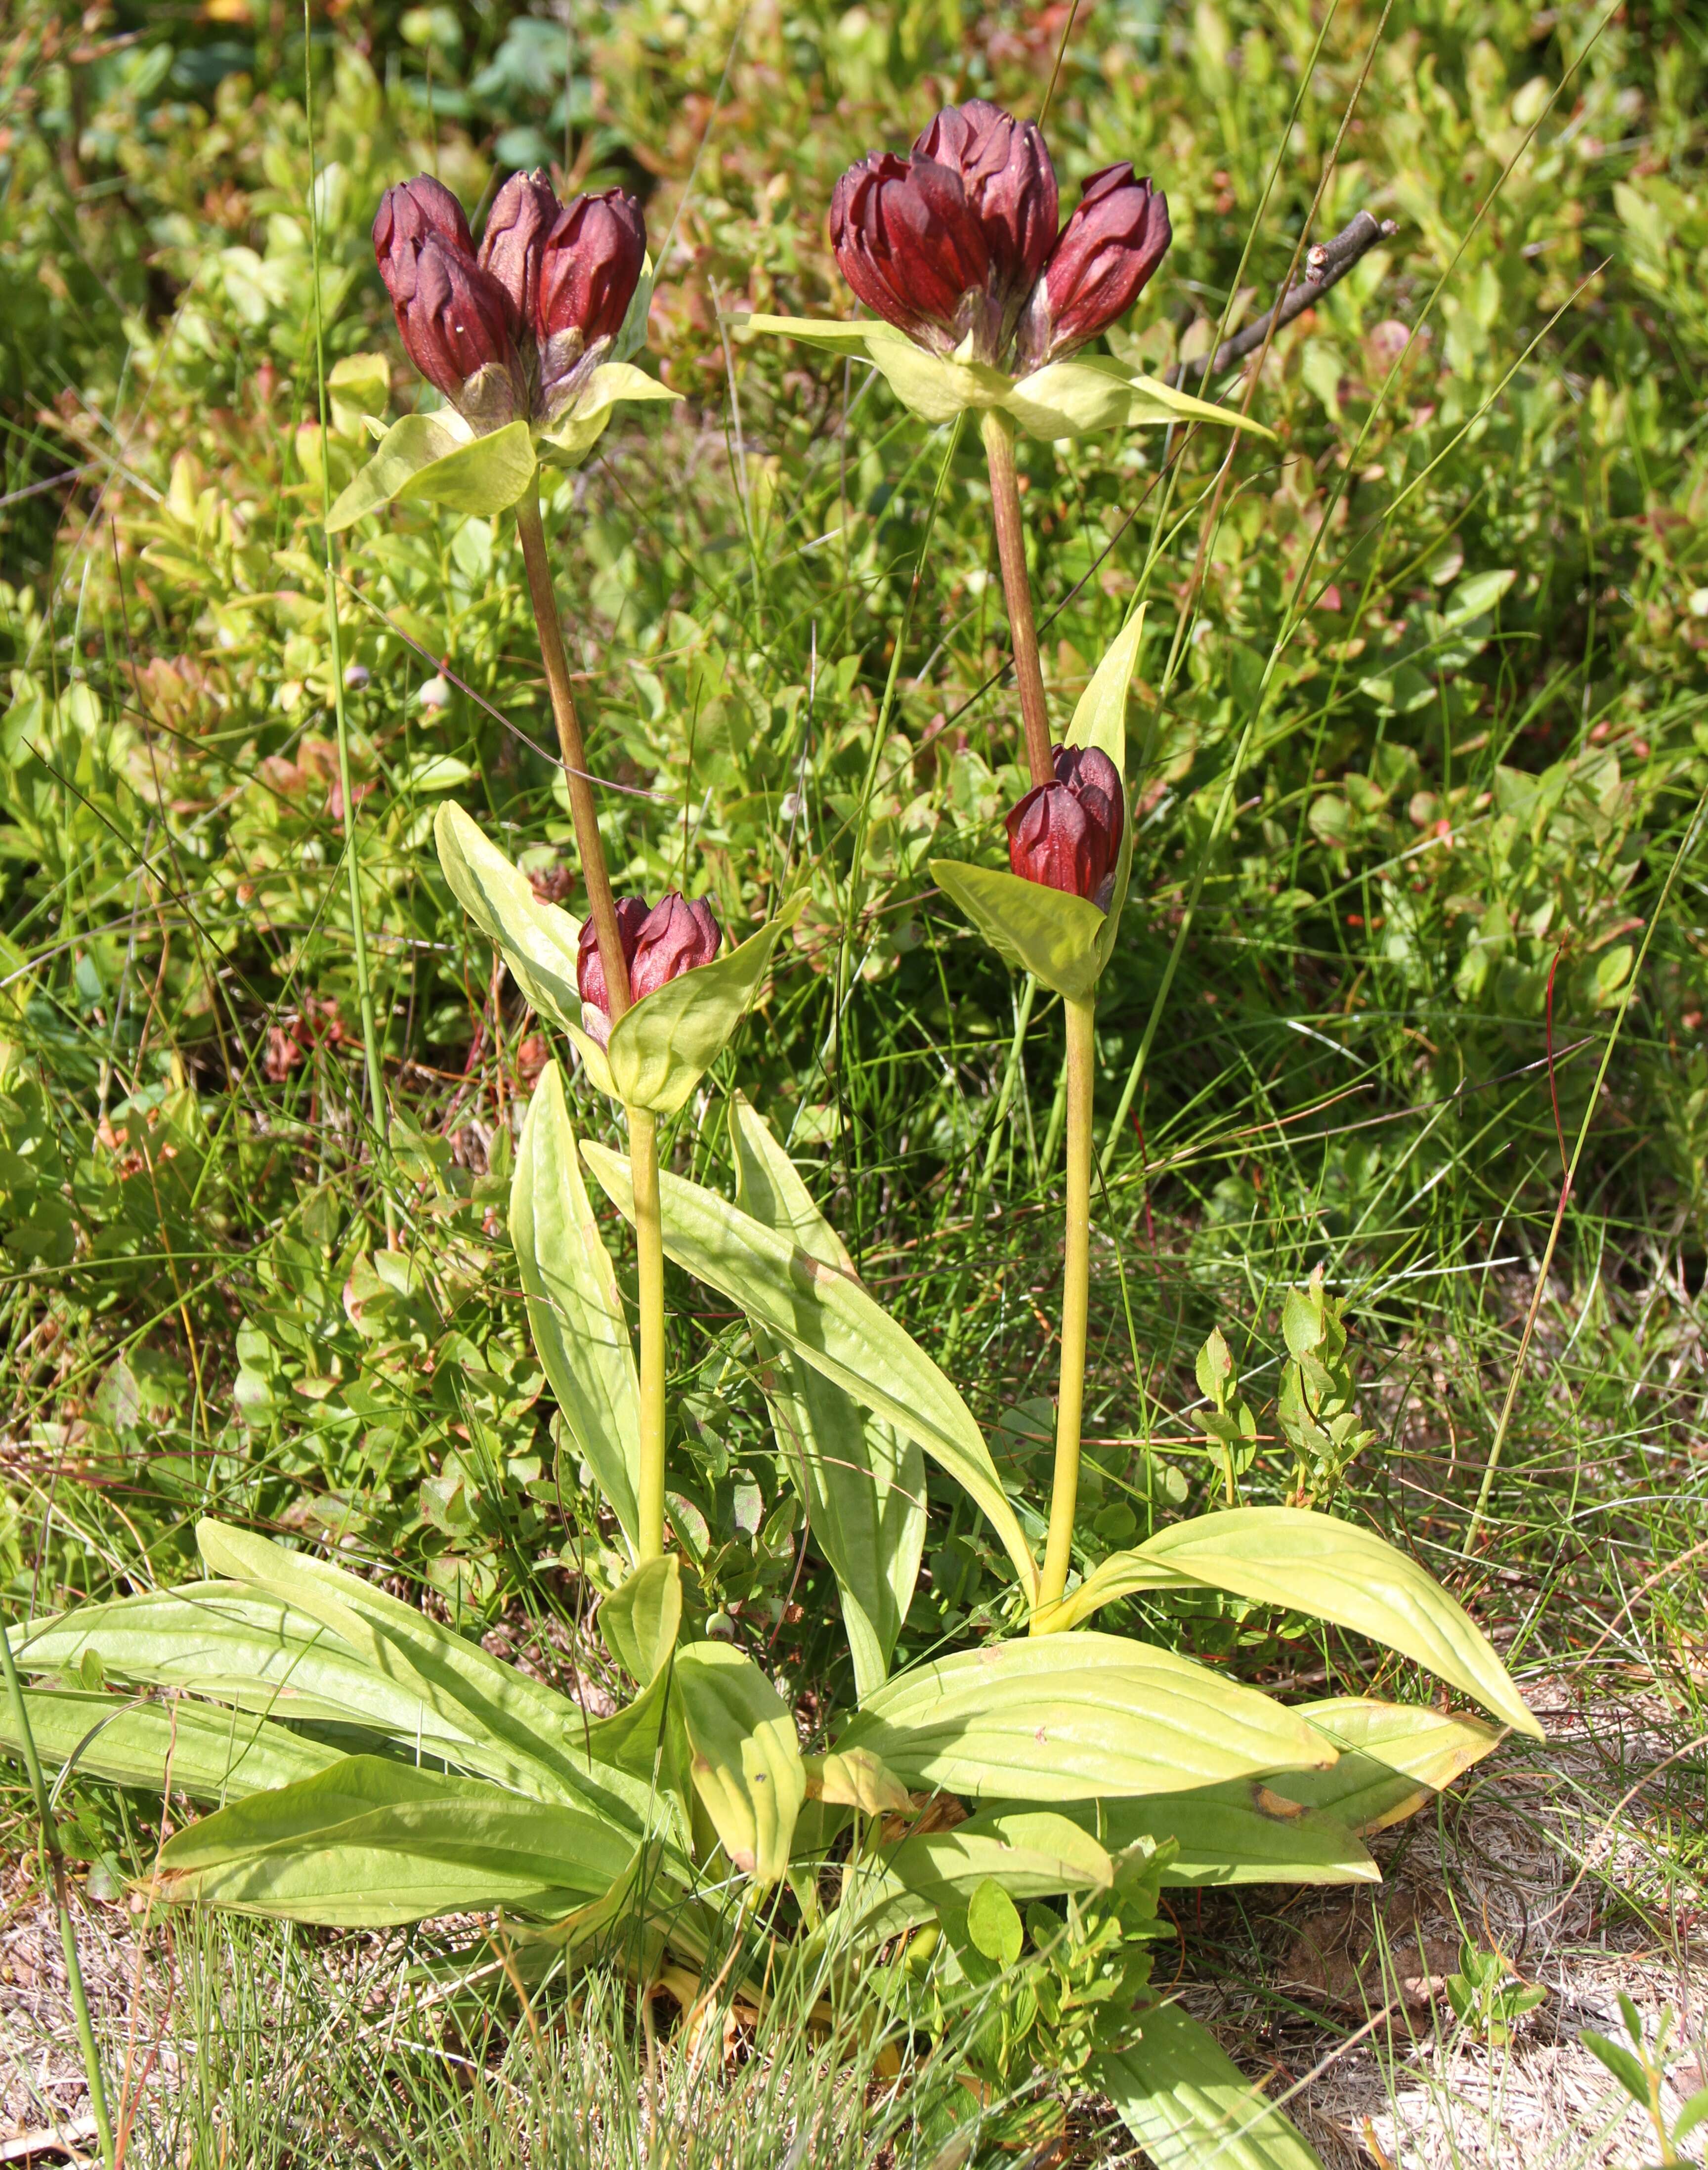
[744,1757]
[209,1754]
[1188,2104]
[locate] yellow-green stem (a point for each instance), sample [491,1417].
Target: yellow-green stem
[1017,590]
[649,1232]
[1076,1279]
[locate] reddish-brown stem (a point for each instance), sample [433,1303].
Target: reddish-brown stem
[1017,590]
[602,905]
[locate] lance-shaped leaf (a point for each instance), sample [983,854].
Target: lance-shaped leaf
[1032,1853]
[857,1779]
[660,1048]
[1312,1563]
[425,459]
[366,1843]
[862,1481]
[1246,1832]
[539,941]
[245,1647]
[1188,2105]
[1051,933]
[744,1756]
[574,1310]
[830,1320]
[212,1755]
[1095,391]
[1069,1717]
[533,1735]
[1394,1758]
[573,435]
[641,1621]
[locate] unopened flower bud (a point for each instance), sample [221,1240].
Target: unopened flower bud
[675,938]
[456,330]
[407,215]
[1105,253]
[591,263]
[1067,834]
[590,965]
[522,214]
[1010,185]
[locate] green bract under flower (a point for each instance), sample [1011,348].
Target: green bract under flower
[1062,400]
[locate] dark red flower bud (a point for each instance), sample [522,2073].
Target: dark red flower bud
[521,215]
[407,215]
[951,239]
[591,263]
[456,330]
[677,936]
[1106,252]
[1066,835]
[590,966]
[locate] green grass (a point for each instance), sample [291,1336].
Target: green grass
[1422,718]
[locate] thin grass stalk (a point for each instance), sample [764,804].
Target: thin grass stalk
[602,905]
[1017,590]
[1076,1289]
[53,1861]
[378,1111]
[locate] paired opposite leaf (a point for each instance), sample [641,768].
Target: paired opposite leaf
[1312,1563]
[827,1318]
[574,1310]
[540,943]
[425,459]
[862,1481]
[570,440]
[1062,940]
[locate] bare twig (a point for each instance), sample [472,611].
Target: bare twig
[1326,263]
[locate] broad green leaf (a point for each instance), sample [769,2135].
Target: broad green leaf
[212,1755]
[1188,2105]
[1095,392]
[933,387]
[662,1047]
[1032,1853]
[540,943]
[366,1843]
[1394,1758]
[534,1738]
[857,1780]
[828,332]
[862,1481]
[1069,1717]
[1099,720]
[830,1320]
[1312,1563]
[641,1621]
[573,434]
[574,1310]
[745,1757]
[423,460]
[993,1923]
[1246,1832]
[244,1647]
[1045,931]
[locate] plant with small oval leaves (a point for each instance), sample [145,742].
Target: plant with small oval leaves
[1641,2070]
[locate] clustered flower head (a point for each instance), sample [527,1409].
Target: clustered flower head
[1067,834]
[658,945]
[959,241]
[514,331]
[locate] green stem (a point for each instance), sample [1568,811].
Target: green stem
[54,1861]
[1017,590]
[649,1231]
[1076,1285]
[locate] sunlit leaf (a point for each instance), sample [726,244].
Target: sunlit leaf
[1046,932]
[1312,1563]
[831,1321]
[1069,1717]
[1099,720]
[862,1481]
[1394,1758]
[1188,2105]
[1095,391]
[1247,1830]
[422,460]
[574,1310]
[211,1755]
[539,941]
[641,1621]
[573,434]
[745,1757]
